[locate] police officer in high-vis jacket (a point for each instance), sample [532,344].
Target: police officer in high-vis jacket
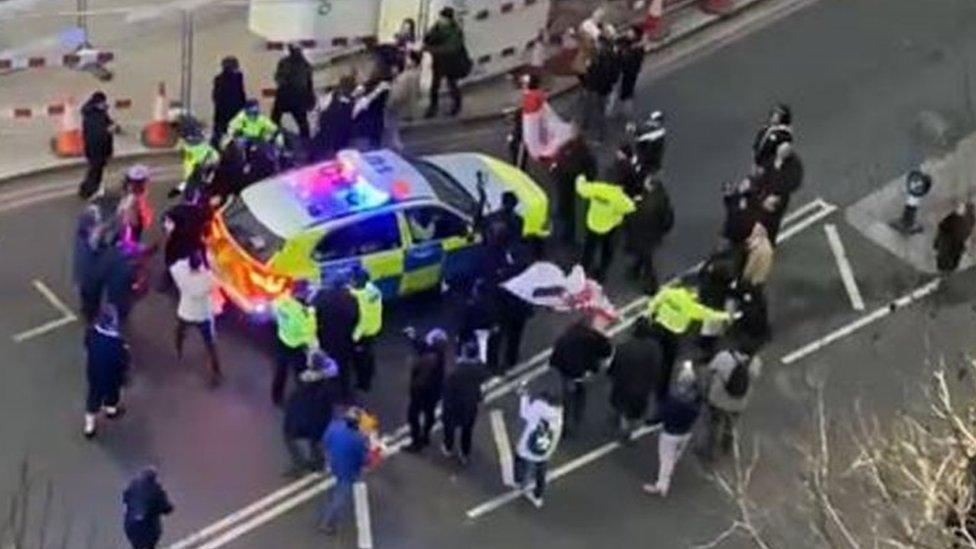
[297,330]
[608,205]
[253,126]
[369,301]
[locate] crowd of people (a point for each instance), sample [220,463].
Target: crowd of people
[693,351]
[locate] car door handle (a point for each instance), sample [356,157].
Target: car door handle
[425,251]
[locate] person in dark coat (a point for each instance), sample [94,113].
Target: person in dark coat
[598,83]
[432,355]
[295,94]
[308,411]
[505,348]
[577,354]
[951,236]
[335,124]
[87,247]
[717,282]
[97,128]
[145,503]
[445,42]
[645,229]
[106,370]
[337,313]
[118,272]
[572,159]
[369,113]
[741,209]
[777,130]
[502,229]
[636,372]
[630,50]
[778,181]
[461,401]
[228,97]
[479,314]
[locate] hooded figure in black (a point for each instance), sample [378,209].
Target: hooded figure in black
[951,237]
[432,355]
[295,94]
[335,123]
[145,504]
[337,313]
[99,142]
[636,372]
[228,97]
[782,177]
[308,411]
[645,229]
[462,398]
[577,354]
[777,130]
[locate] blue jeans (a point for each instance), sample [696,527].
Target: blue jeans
[336,501]
[524,469]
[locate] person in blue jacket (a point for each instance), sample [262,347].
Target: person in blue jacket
[347,450]
[106,369]
[145,504]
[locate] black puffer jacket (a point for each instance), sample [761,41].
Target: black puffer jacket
[97,130]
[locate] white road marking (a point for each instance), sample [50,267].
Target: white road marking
[67,315]
[504,445]
[561,471]
[267,509]
[848,329]
[364,526]
[36,199]
[844,266]
[825,210]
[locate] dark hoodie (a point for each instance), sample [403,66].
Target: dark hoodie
[96,127]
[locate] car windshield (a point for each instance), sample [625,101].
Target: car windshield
[250,234]
[447,189]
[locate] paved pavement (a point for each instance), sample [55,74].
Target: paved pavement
[219,451]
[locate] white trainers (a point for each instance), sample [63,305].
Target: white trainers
[655,490]
[89,425]
[535,501]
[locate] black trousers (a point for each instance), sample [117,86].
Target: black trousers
[93,177]
[606,244]
[670,346]
[504,345]
[643,270]
[91,303]
[421,417]
[206,329]
[453,424]
[574,398]
[364,363]
[287,359]
[300,116]
[566,206]
[435,92]
[102,395]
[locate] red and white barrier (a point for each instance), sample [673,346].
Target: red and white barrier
[27,112]
[71,60]
[334,42]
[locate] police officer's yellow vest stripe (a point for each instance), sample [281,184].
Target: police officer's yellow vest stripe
[296,323]
[370,301]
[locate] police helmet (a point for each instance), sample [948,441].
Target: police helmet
[252,107]
[784,113]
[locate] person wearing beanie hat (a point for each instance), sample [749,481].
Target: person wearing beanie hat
[97,128]
[431,359]
[107,368]
[678,413]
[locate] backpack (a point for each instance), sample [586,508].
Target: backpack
[737,384]
[541,438]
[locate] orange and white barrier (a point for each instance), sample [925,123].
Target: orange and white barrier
[29,112]
[71,60]
[68,141]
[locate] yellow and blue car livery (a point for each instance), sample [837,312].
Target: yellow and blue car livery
[405,221]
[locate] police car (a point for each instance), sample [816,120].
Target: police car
[406,221]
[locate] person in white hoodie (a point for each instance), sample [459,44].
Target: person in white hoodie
[543,417]
[196,284]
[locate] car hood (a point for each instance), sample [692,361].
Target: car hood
[499,177]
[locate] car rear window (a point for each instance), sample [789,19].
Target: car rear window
[447,189]
[252,235]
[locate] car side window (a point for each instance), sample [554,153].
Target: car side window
[434,223]
[377,233]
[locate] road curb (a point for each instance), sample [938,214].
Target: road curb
[57,166]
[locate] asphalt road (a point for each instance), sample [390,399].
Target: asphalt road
[857,74]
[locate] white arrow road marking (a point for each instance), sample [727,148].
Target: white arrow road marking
[67,315]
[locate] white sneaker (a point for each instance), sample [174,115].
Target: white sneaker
[655,490]
[535,501]
[89,426]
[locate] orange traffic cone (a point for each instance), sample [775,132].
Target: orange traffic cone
[716,7]
[655,26]
[67,142]
[158,134]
